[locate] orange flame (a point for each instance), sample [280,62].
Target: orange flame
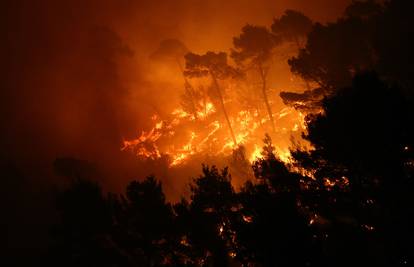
[182,135]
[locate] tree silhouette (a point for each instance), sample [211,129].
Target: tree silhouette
[363,140]
[216,67]
[370,36]
[292,26]
[347,201]
[272,230]
[334,53]
[254,48]
[115,230]
[143,223]
[173,50]
[208,217]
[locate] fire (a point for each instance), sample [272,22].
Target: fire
[186,151]
[257,153]
[284,155]
[182,135]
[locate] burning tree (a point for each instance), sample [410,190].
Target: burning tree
[253,50]
[197,128]
[214,65]
[173,50]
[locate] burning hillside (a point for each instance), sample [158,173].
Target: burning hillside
[228,102]
[181,136]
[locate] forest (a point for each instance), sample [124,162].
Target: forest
[343,196]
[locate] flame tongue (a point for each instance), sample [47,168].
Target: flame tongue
[184,135]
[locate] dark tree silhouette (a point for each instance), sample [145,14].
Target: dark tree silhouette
[272,230]
[362,160]
[215,66]
[292,26]
[253,48]
[97,230]
[334,53]
[309,100]
[143,224]
[370,36]
[207,218]
[345,202]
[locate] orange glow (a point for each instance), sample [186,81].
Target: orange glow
[182,136]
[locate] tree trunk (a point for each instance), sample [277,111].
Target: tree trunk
[189,88]
[266,100]
[224,109]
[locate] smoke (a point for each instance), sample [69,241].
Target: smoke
[77,79]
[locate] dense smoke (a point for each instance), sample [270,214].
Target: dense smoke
[77,77]
[77,80]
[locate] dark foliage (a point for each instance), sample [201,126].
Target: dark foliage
[292,26]
[369,37]
[362,160]
[345,202]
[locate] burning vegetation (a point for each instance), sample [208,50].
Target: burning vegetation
[227,105]
[330,173]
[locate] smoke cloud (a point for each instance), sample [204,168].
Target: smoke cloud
[77,79]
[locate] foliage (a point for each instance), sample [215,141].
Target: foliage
[255,43]
[345,202]
[292,26]
[211,63]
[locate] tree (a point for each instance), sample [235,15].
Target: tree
[292,26]
[144,224]
[216,67]
[362,163]
[208,216]
[115,230]
[334,53]
[272,229]
[254,48]
[371,35]
[173,51]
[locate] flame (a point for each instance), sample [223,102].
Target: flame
[186,151]
[181,135]
[284,155]
[256,154]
